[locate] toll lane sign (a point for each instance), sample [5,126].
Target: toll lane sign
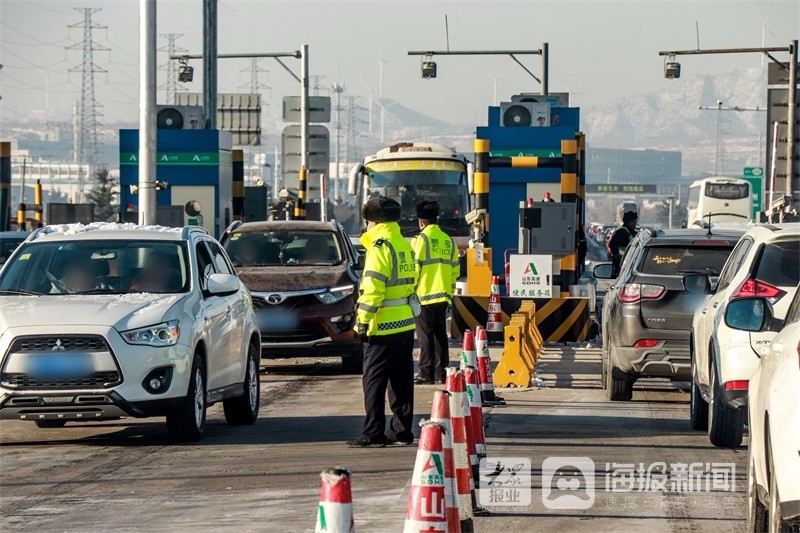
[531,276]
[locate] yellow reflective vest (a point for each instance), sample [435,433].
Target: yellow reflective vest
[437,257]
[390,275]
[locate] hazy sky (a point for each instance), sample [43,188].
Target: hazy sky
[598,50]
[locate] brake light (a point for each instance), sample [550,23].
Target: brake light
[645,343]
[713,243]
[736,385]
[633,292]
[754,287]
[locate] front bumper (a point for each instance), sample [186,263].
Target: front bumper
[36,399]
[323,346]
[80,406]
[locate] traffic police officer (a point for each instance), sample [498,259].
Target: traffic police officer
[385,322]
[437,257]
[620,240]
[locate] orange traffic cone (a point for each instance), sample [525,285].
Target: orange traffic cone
[494,322]
[488,397]
[335,514]
[426,501]
[469,356]
[463,472]
[441,413]
[475,410]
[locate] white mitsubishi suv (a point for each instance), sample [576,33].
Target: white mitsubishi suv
[107,321]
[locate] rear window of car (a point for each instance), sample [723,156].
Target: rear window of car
[679,260]
[779,264]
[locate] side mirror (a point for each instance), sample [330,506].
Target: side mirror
[696,283]
[603,271]
[748,314]
[222,283]
[354,178]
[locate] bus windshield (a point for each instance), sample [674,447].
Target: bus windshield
[444,182]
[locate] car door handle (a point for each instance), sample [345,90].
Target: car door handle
[716,304]
[705,310]
[777,347]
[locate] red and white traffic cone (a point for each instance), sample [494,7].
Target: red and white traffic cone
[426,501]
[469,356]
[475,410]
[488,397]
[494,322]
[462,470]
[335,514]
[461,404]
[440,413]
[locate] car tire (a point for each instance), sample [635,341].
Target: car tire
[698,407]
[187,423]
[757,516]
[354,362]
[619,389]
[50,424]
[243,410]
[725,424]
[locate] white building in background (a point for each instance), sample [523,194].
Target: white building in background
[58,178]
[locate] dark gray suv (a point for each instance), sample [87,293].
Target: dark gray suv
[647,312]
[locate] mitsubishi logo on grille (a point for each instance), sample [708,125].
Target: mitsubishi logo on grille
[274,299]
[58,347]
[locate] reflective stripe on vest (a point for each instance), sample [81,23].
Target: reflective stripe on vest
[396,324]
[433,296]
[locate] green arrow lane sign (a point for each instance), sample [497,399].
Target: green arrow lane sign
[177,158]
[525,152]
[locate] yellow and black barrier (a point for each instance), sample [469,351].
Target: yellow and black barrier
[558,319]
[521,348]
[302,191]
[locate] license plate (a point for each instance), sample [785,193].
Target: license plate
[59,365]
[277,320]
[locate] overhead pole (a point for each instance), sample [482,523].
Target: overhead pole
[302,188]
[210,62]
[545,68]
[792,183]
[147,112]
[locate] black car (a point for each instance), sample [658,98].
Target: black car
[648,311]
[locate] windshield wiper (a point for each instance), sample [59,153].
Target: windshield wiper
[99,291]
[20,291]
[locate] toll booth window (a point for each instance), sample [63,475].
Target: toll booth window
[680,260]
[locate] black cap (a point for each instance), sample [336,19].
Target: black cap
[381,210]
[427,210]
[629,216]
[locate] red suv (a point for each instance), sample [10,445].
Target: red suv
[303,277]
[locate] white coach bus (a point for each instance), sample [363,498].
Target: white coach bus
[724,199]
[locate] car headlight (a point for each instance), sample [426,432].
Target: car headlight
[336,294]
[165,334]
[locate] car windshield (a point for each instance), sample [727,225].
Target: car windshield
[679,260]
[97,266]
[273,248]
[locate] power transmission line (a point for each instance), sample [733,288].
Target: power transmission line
[171,85]
[87,119]
[719,155]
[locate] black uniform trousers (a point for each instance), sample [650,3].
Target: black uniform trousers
[388,360]
[434,351]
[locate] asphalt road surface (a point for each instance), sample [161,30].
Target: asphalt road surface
[127,477]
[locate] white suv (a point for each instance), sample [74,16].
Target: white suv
[114,320]
[765,263]
[773,478]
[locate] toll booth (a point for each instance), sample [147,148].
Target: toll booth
[509,186]
[192,166]
[525,163]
